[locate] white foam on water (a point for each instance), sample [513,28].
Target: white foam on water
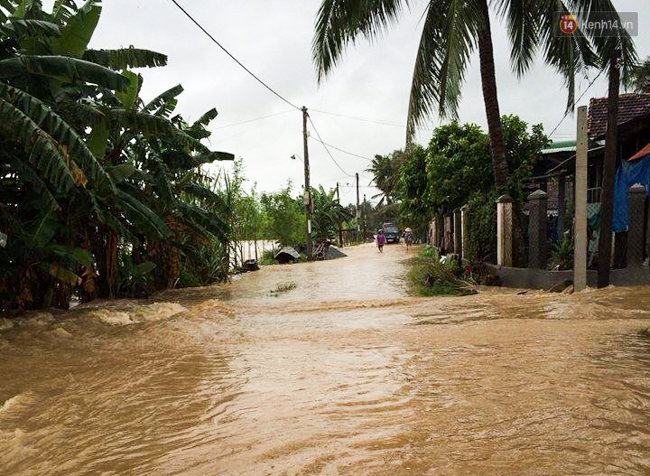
[17,402]
[36,319]
[151,312]
[61,332]
[5,324]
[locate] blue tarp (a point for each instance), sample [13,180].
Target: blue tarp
[628,174]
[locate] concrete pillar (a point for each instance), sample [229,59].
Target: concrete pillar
[561,205]
[440,232]
[537,227]
[464,232]
[457,232]
[449,231]
[636,211]
[580,195]
[504,231]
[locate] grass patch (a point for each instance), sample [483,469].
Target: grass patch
[283,288]
[429,276]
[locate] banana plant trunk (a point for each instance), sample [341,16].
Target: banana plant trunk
[105,249]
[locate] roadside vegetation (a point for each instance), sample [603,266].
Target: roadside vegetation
[105,193]
[429,276]
[454,170]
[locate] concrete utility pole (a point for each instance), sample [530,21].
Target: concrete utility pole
[358,209]
[307,194]
[338,199]
[365,218]
[580,218]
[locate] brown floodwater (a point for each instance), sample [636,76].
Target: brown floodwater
[344,374]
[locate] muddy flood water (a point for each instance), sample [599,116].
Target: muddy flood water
[343,375]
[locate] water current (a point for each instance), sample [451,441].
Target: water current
[345,374]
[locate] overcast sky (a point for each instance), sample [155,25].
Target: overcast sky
[273,39]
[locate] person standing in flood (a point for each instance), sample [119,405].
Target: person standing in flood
[381,240]
[408,238]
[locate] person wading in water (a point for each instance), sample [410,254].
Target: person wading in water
[381,240]
[408,238]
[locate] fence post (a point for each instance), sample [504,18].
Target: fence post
[440,232]
[580,204]
[504,231]
[561,205]
[537,225]
[457,233]
[448,242]
[636,210]
[464,240]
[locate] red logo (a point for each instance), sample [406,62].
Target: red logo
[568,23]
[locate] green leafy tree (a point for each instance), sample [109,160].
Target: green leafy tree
[286,219]
[328,214]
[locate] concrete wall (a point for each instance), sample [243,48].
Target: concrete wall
[543,279]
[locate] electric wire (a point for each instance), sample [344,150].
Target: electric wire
[371,121]
[251,120]
[591,83]
[344,151]
[326,149]
[232,56]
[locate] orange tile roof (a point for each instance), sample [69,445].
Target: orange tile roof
[630,106]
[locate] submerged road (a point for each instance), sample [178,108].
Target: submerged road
[344,374]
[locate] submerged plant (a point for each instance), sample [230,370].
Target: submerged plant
[562,255]
[283,288]
[431,276]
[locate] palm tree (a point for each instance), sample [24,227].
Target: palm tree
[385,171]
[639,80]
[452,31]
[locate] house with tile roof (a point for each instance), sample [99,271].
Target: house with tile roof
[554,174]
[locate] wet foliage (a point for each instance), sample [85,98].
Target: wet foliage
[102,193]
[430,276]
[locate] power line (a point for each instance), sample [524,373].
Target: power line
[230,54]
[251,120]
[371,121]
[576,101]
[326,149]
[344,151]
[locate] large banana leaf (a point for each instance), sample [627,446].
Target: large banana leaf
[43,117]
[62,274]
[140,123]
[78,31]
[51,159]
[69,255]
[206,118]
[129,95]
[159,101]
[63,68]
[141,215]
[29,175]
[63,10]
[20,28]
[126,58]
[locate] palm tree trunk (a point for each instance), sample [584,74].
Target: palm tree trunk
[491,100]
[609,169]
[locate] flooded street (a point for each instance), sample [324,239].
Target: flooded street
[344,374]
